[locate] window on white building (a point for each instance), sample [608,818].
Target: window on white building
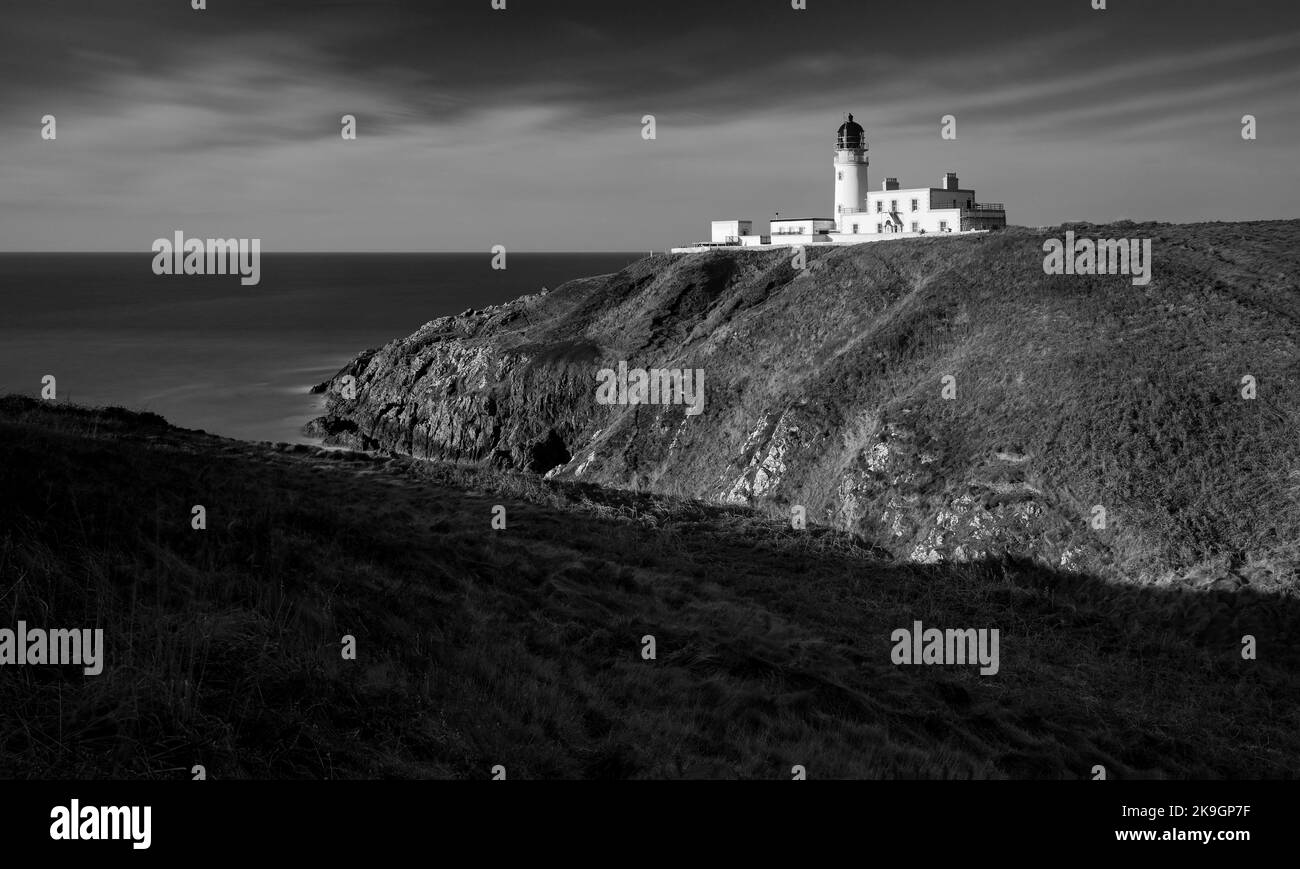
[855,229]
[893,205]
[880,227]
[916,204]
[913,226]
[880,206]
[839,176]
[943,226]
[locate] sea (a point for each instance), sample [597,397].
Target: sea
[208,353]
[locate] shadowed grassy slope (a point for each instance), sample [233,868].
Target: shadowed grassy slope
[522,647]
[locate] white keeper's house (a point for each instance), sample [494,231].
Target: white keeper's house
[865,215]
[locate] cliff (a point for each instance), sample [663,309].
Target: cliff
[824,387]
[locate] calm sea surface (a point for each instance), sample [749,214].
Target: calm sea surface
[210,354]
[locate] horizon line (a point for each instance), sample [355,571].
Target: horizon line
[486,251]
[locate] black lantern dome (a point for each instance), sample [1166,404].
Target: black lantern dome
[851,136]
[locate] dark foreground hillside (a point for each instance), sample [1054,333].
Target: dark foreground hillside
[522,647]
[824,388]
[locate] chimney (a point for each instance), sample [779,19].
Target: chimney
[950,181]
[890,184]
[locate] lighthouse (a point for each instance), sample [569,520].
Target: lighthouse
[850,170]
[865,215]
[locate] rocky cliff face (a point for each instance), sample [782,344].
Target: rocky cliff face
[945,398]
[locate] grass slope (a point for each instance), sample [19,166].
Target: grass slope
[521,647]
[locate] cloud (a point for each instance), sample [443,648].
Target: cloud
[479,126]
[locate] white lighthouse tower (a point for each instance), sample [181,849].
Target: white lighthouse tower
[850,170]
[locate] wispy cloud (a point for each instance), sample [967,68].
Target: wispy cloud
[523,127]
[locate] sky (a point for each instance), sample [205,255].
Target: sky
[523,127]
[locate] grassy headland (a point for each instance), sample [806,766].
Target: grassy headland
[824,387]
